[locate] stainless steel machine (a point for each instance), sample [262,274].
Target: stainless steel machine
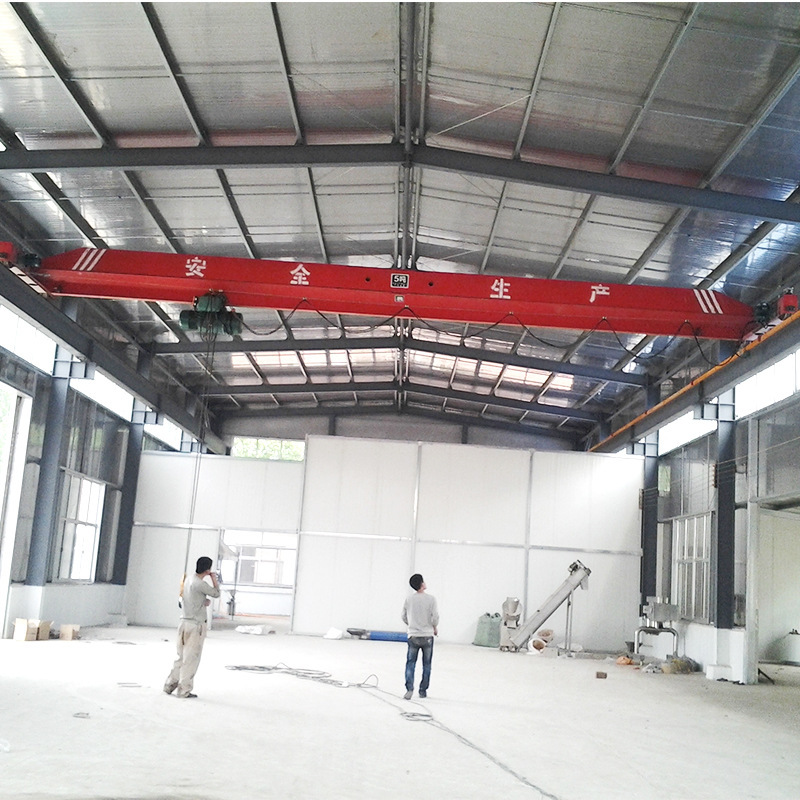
[578,577]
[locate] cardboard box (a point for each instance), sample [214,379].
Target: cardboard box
[69,632]
[25,630]
[29,630]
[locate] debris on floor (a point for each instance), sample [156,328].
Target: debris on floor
[258,630]
[683,666]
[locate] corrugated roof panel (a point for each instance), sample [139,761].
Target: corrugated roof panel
[358,209]
[766,269]
[51,231]
[463,209]
[722,75]
[769,162]
[608,51]
[592,85]
[229,57]
[278,209]
[115,62]
[727,63]
[342,58]
[697,247]
[688,144]
[32,101]
[106,202]
[479,92]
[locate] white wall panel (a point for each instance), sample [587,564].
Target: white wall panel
[164,491]
[467,581]
[65,604]
[778,582]
[586,501]
[466,494]
[605,615]
[157,563]
[231,492]
[249,493]
[473,494]
[359,486]
[350,582]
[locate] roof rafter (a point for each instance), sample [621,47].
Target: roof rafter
[279,156]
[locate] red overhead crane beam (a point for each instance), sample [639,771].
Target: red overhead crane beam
[329,288]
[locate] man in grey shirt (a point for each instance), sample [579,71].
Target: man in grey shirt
[192,630]
[421,615]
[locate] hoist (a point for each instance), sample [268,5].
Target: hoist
[375,292]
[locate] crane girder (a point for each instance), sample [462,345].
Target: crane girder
[377,292]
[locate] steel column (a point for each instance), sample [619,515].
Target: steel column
[46,510]
[723,542]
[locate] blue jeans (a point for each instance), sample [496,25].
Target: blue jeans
[415,644]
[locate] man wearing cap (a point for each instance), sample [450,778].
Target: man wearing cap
[421,615]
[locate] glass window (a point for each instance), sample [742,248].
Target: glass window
[167,432]
[79,524]
[106,393]
[682,430]
[259,558]
[691,572]
[26,341]
[767,387]
[273,449]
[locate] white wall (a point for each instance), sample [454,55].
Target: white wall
[231,492]
[170,533]
[355,533]
[778,586]
[65,604]
[586,507]
[158,561]
[479,523]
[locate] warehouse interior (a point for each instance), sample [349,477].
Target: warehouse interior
[339,292]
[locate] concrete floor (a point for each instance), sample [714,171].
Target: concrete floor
[87,719]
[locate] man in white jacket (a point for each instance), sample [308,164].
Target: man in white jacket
[192,630]
[421,615]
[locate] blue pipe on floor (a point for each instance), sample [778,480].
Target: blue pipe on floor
[388,636]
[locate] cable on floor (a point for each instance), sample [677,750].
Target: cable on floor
[413,716]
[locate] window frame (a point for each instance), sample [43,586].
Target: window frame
[692,538]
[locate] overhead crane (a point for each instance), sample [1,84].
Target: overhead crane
[376,292]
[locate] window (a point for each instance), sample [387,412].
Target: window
[682,430]
[769,386]
[167,432]
[259,558]
[79,526]
[691,548]
[266,566]
[273,449]
[105,393]
[26,341]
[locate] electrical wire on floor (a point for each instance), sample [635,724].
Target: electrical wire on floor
[371,683]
